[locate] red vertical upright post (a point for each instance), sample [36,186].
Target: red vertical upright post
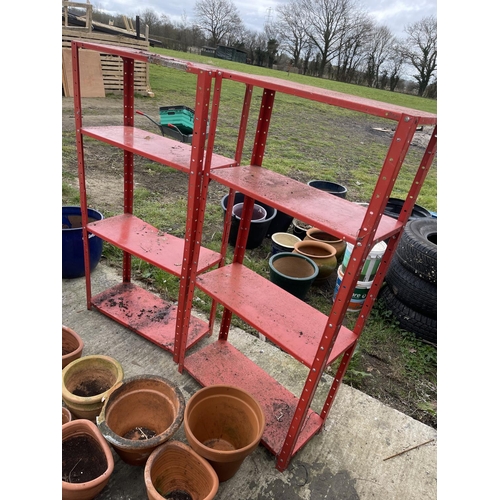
[194,216]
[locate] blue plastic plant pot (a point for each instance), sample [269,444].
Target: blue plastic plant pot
[293,272]
[72,242]
[329,187]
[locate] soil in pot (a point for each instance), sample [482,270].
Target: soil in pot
[82,460]
[141,414]
[176,471]
[87,383]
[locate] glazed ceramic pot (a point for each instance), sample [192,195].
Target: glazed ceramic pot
[322,254]
[300,228]
[139,415]
[293,272]
[316,234]
[87,461]
[174,470]
[223,424]
[283,242]
[87,382]
[72,346]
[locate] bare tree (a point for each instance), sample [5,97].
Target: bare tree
[355,35]
[150,18]
[291,29]
[325,22]
[394,65]
[420,50]
[377,53]
[220,19]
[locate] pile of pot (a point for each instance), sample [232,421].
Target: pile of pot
[297,263]
[137,417]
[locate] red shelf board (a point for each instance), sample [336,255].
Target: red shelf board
[145,241]
[221,363]
[149,145]
[287,321]
[146,314]
[329,213]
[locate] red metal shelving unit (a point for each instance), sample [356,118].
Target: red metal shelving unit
[313,338]
[159,321]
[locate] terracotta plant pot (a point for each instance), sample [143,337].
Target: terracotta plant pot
[141,414]
[322,254]
[66,416]
[87,461]
[87,382]
[174,470]
[315,234]
[72,346]
[293,272]
[223,424]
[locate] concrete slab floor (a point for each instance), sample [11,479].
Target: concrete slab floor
[348,460]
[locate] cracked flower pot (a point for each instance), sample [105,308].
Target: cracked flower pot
[223,424]
[139,415]
[176,471]
[87,382]
[87,461]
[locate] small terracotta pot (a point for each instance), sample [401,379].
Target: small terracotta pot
[72,346]
[100,452]
[66,416]
[175,467]
[223,424]
[322,254]
[315,234]
[139,415]
[87,382]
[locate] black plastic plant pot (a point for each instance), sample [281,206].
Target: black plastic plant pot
[329,187]
[394,206]
[279,224]
[293,272]
[72,242]
[258,229]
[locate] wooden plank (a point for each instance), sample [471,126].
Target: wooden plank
[91,79]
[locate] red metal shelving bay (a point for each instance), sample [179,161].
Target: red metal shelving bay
[309,336]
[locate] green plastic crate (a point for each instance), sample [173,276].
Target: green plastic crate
[180,116]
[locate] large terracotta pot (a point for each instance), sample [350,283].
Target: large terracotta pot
[141,414]
[315,234]
[72,346]
[87,382]
[174,470]
[87,461]
[223,424]
[322,254]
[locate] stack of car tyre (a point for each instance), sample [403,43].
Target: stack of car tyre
[410,289]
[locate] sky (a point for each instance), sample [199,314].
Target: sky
[395,14]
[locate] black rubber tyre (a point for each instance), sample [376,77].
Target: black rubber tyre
[423,327]
[417,249]
[416,293]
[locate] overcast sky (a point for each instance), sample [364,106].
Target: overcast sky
[395,14]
